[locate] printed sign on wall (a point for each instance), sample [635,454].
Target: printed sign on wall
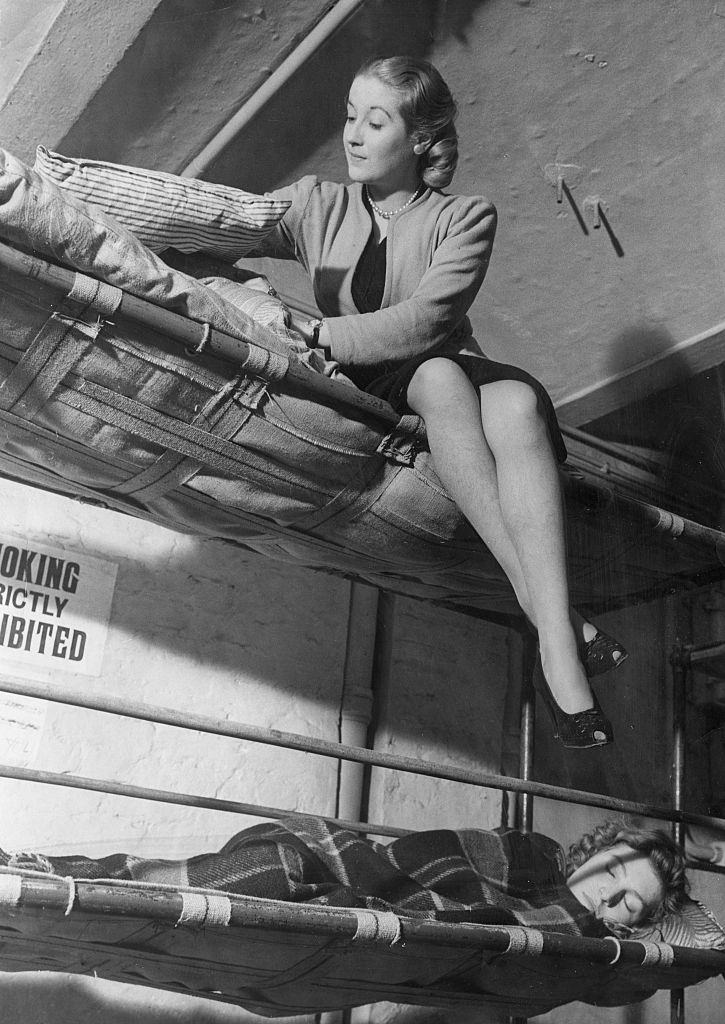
[54,609]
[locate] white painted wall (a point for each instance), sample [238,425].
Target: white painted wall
[202,626]
[22,30]
[195,625]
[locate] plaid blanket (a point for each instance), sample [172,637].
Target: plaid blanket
[498,877]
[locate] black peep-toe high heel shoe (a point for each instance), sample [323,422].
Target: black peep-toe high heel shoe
[598,654]
[590,728]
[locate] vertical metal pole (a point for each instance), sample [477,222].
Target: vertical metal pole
[525,806]
[382,657]
[680,665]
[525,802]
[356,704]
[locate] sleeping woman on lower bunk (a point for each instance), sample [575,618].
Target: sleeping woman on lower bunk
[618,882]
[618,879]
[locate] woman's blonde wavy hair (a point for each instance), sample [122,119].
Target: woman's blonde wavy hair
[428,110]
[664,854]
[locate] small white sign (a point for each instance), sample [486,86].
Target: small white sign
[21,726]
[54,609]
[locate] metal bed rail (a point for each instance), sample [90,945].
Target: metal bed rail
[311,745]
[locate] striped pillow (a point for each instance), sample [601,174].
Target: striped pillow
[692,925]
[166,211]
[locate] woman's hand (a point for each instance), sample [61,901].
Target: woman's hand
[309,330]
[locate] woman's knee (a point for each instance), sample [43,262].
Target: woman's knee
[510,409]
[433,382]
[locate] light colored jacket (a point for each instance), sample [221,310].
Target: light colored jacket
[438,250]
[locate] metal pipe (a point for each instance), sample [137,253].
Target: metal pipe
[184,799]
[327,748]
[357,694]
[595,496]
[704,865]
[312,41]
[704,653]
[680,666]
[528,719]
[677,1006]
[163,903]
[382,691]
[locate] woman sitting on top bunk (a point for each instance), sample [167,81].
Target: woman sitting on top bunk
[395,264]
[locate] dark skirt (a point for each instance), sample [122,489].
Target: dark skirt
[391,384]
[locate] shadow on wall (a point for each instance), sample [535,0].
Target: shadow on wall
[200,615]
[284,139]
[674,411]
[200,61]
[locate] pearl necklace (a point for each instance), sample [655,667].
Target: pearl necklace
[387,214]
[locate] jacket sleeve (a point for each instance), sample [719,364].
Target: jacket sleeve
[281,243]
[437,307]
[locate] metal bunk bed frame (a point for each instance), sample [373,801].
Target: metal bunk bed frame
[524,787]
[685,658]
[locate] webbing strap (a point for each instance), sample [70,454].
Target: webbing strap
[87,291]
[220,414]
[405,441]
[670,522]
[168,432]
[205,910]
[344,498]
[525,940]
[253,524]
[62,340]
[250,528]
[71,883]
[169,471]
[377,926]
[262,362]
[657,953]
[159,428]
[53,352]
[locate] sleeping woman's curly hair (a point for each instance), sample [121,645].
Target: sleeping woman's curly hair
[664,854]
[428,109]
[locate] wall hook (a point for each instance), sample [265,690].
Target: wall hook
[572,202]
[596,211]
[616,244]
[592,207]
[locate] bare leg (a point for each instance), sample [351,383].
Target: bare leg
[493,455]
[442,394]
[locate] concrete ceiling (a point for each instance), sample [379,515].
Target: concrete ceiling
[625,99]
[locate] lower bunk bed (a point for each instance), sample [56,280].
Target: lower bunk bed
[133,385]
[356,924]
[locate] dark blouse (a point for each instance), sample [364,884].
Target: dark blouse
[368,282]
